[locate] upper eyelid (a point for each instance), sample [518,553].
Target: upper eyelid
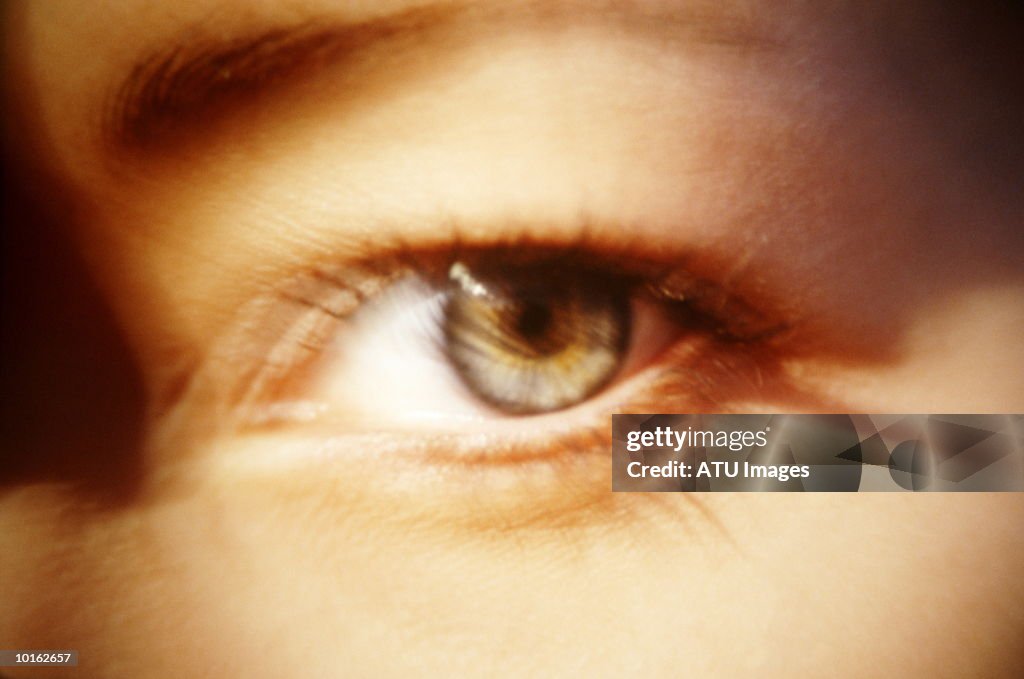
[341,289]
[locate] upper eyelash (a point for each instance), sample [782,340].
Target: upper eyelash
[702,302]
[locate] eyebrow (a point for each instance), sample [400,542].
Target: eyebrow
[198,79]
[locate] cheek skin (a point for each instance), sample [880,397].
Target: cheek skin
[227,560]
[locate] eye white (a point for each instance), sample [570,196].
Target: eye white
[387,363]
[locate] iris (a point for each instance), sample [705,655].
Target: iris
[526,339]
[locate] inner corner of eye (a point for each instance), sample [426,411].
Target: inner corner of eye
[534,338]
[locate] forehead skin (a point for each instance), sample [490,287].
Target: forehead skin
[820,134]
[824,132]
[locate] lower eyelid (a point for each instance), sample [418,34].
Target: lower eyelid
[474,484]
[513,475]
[693,374]
[365,478]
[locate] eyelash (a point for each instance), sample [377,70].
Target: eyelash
[730,336]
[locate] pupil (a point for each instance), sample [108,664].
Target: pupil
[534,320]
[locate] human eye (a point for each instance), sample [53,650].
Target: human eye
[512,352]
[296,261]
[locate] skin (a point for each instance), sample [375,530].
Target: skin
[855,161]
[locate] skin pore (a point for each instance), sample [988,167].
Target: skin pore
[848,171]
